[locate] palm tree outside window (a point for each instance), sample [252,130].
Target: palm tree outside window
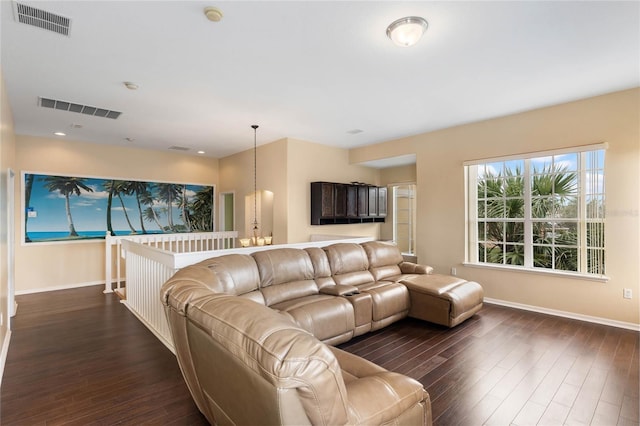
[541,211]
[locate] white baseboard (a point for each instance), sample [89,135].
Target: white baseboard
[3,354]
[59,287]
[565,314]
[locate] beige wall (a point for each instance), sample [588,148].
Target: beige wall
[236,175]
[286,167]
[7,152]
[612,118]
[309,162]
[64,264]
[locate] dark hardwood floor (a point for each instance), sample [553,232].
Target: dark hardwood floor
[80,357]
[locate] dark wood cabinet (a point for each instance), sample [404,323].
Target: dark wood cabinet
[363,201]
[336,203]
[327,200]
[382,201]
[340,200]
[352,201]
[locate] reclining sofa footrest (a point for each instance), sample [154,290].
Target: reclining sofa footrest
[443,299]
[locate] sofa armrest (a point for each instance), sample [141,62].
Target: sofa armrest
[339,290]
[383,397]
[377,396]
[415,268]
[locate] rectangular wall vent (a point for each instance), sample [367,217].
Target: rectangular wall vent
[41,18]
[83,109]
[179,148]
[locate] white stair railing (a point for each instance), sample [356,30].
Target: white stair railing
[178,243]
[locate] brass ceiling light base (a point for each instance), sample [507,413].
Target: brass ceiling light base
[213,13]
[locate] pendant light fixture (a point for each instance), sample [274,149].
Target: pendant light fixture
[255,239]
[255,184]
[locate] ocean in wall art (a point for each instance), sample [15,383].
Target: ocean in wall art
[64,208]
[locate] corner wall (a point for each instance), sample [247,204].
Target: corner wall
[82,263]
[7,157]
[309,162]
[613,118]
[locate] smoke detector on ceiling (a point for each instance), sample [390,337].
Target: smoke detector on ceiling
[40,18]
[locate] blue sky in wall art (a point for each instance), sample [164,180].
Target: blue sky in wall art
[62,208]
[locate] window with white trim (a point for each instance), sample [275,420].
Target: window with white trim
[541,211]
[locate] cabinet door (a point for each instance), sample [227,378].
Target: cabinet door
[373,201]
[363,201]
[340,200]
[382,202]
[352,201]
[327,200]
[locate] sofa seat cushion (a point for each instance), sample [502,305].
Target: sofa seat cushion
[329,318]
[388,299]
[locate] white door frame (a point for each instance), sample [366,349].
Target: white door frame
[11,243]
[222,210]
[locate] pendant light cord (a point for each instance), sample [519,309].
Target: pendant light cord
[255,179]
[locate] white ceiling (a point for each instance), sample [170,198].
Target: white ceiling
[309,70]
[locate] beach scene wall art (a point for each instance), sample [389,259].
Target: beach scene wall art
[64,208]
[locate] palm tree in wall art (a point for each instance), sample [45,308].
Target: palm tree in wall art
[201,207]
[28,185]
[168,193]
[111,206]
[141,191]
[67,186]
[150,214]
[117,188]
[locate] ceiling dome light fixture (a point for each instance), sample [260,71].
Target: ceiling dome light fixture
[407,31]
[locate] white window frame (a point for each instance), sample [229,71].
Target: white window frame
[471,214]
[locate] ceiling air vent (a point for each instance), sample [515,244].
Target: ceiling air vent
[41,18]
[83,109]
[179,148]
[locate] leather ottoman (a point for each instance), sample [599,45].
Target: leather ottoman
[443,299]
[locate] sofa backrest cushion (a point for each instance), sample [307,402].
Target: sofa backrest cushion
[260,368]
[285,273]
[384,259]
[349,264]
[236,274]
[321,267]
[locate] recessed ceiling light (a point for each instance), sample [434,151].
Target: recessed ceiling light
[131,86]
[355,131]
[60,134]
[200,152]
[129,139]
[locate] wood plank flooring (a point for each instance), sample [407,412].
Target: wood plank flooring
[80,357]
[512,367]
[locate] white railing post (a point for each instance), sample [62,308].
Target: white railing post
[107,263]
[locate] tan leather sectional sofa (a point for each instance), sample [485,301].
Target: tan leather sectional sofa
[252,333]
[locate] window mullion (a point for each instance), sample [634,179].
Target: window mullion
[582,213]
[528,225]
